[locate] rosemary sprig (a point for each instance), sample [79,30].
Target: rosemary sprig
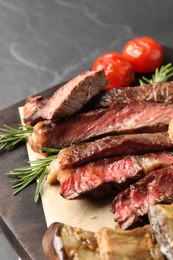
[161,75]
[37,170]
[10,137]
[51,150]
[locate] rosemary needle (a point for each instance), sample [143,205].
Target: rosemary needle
[161,75]
[37,170]
[10,137]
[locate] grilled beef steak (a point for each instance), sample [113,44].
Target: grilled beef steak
[32,105]
[65,242]
[71,97]
[155,187]
[138,243]
[112,146]
[157,92]
[161,220]
[99,174]
[134,117]
[109,175]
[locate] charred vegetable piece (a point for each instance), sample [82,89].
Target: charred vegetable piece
[65,242]
[161,220]
[130,244]
[62,242]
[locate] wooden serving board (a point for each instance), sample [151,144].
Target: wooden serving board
[21,220]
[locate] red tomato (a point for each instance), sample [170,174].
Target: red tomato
[116,68]
[145,54]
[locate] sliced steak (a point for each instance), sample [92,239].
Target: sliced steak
[33,103]
[134,117]
[154,188]
[137,243]
[161,219]
[71,97]
[157,92]
[106,147]
[113,173]
[112,146]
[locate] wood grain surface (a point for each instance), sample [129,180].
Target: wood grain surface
[22,221]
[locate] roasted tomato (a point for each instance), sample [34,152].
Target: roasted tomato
[118,71]
[145,54]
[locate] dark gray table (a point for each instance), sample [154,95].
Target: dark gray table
[42,43]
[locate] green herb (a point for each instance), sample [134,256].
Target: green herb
[51,150]
[37,170]
[10,137]
[160,75]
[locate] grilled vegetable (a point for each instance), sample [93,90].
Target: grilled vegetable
[161,220]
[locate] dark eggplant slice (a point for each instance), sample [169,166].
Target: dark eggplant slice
[62,242]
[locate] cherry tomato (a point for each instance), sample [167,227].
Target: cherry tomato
[145,54]
[118,71]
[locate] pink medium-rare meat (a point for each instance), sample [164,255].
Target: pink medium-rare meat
[63,242]
[109,146]
[110,172]
[157,92]
[71,97]
[134,117]
[113,146]
[90,177]
[132,203]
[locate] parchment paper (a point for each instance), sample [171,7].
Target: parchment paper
[87,213]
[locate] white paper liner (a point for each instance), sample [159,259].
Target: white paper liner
[89,213]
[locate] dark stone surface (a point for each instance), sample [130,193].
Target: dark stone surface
[45,42]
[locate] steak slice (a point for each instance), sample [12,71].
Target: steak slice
[112,146]
[138,243]
[154,188]
[161,219]
[107,175]
[134,117]
[71,97]
[157,92]
[33,103]
[66,242]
